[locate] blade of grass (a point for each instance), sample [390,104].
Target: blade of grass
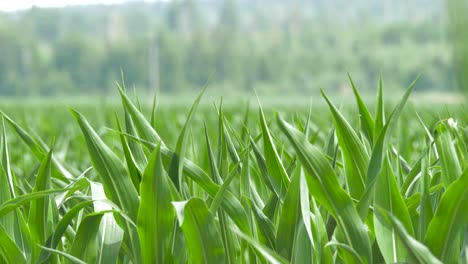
[367,123]
[356,158]
[388,197]
[177,165]
[9,251]
[39,209]
[323,180]
[110,234]
[418,252]
[450,220]
[202,236]
[276,171]
[379,153]
[156,213]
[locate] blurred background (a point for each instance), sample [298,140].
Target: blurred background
[275,47]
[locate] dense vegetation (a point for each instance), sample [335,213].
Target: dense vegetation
[133,184]
[175,46]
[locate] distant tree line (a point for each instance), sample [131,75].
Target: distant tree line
[176,46]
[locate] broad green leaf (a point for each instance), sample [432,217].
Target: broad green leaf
[226,233]
[135,148]
[10,222]
[388,197]
[69,257]
[84,246]
[32,143]
[59,230]
[276,171]
[261,163]
[144,128]
[156,214]
[15,203]
[379,153]
[289,218]
[202,236]
[418,252]
[450,220]
[9,251]
[39,209]
[345,248]
[319,232]
[271,256]
[266,230]
[356,158]
[425,206]
[133,169]
[327,191]
[302,251]
[113,175]
[149,137]
[450,164]
[35,146]
[110,234]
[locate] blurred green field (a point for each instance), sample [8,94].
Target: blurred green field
[233,181]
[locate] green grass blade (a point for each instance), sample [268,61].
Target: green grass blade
[276,171]
[69,257]
[388,197]
[84,245]
[177,165]
[418,252]
[379,112]
[7,184]
[9,251]
[367,123]
[133,168]
[36,148]
[450,164]
[202,236]
[32,143]
[112,173]
[261,163]
[15,203]
[7,192]
[39,209]
[144,128]
[450,220]
[156,214]
[379,153]
[271,256]
[266,230]
[425,206]
[356,158]
[135,148]
[110,234]
[117,184]
[289,218]
[149,137]
[302,251]
[327,191]
[60,228]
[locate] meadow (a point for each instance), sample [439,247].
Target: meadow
[374,181]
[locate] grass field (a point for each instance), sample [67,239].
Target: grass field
[234,183]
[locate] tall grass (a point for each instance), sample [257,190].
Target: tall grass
[274,189]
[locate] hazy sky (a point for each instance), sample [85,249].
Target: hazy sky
[11,5]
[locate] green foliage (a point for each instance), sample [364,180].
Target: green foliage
[282,189]
[174,47]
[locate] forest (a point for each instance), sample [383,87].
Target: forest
[238,46]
